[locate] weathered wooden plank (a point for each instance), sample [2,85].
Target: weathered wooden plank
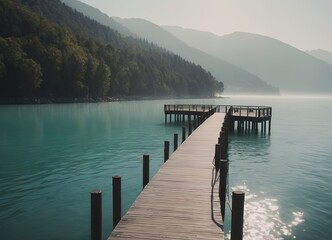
[176,204]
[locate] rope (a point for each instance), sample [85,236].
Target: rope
[227,189]
[215,177]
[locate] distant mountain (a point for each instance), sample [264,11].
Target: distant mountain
[277,63]
[236,80]
[96,14]
[322,55]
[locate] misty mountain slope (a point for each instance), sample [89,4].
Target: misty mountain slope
[236,80]
[205,41]
[277,63]
[322,55]
[97,15]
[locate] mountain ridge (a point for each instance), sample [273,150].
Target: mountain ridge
[248,81]
[236,79]
[276,62]
[322,54]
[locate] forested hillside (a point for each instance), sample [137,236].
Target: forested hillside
[47,49]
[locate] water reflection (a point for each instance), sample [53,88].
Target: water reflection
[262,220]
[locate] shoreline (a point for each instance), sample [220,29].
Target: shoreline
[68,100]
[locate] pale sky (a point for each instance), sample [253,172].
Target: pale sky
[305,24]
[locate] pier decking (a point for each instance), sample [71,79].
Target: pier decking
[176,204]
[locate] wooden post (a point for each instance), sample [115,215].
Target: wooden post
[223,144]
[175,145]
[269,126]
[96,215]
[166,151]
[116,200]
[194,123]
[217,156]
[183,134]
[237,215]
[225,133]
[262,127]
[190,129]
[222,186]
[146,170]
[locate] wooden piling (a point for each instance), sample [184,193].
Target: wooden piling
[222,186]
[183,134]
[116,200]
[262,127]
[217,156]
[166,150]
[96,215]
[190,128]
[237,215]
[175,144]
[270,126]
[223,143]
[146,170]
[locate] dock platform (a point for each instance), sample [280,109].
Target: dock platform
[177,203]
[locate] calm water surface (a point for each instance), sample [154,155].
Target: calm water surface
[52,156]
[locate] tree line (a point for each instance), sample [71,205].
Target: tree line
[49,50]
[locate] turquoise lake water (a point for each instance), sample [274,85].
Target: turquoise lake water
[53,156]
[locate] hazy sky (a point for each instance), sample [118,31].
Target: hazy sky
[305,24]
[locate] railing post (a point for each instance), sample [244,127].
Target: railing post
[96,215]
[116,200]
[146,170]
[222,186]
[183,134]
[175,145]
[237,215]
[166,151]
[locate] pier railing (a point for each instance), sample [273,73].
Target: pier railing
[187,108]
[246,111]
[235,110]
[246,118]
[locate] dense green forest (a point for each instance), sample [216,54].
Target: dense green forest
[49,50]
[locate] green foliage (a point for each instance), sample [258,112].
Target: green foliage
[48,49]
[21,75]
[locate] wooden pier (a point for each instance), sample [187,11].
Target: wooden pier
[183,201]
[177,203]
[243,118]
[248,118]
